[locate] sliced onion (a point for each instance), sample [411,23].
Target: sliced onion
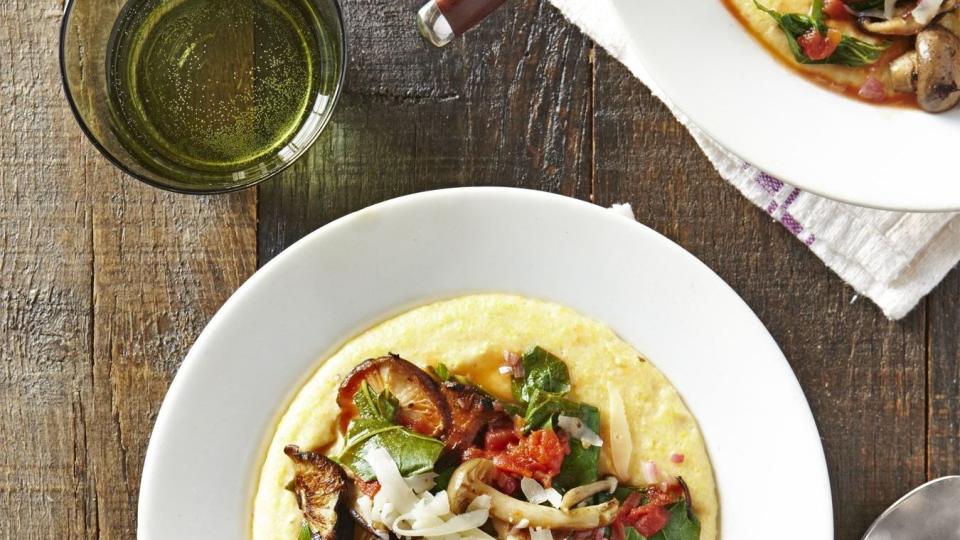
[621,444]
[578,430]
[537,533]
[515,362]
[651,473]
[457,524]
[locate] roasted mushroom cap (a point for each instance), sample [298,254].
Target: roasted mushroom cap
[318,484]
[471,412]
[938,69]
[422,408]
[903,73]
[471,479]
[902,23]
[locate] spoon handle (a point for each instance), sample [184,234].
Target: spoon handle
[440,21]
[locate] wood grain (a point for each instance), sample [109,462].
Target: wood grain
[106,283]
[46,261]
[943,399]
[507,105]
[163,265]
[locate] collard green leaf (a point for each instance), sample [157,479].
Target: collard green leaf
[850,51]
[542,371]
[443,479]
[582,465]
[374,428]
[631,534]
[544,405]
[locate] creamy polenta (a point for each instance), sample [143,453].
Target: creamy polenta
[468,336]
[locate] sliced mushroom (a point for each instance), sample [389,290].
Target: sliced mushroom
[471,478]
[422,408]
[367,531]
[902,23]
[938,69]
[903,73]
[581,493]
[470,412]
[318,484]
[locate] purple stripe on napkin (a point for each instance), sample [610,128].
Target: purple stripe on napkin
[774,187]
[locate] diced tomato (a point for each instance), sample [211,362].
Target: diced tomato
[498,439]
[652,521]
[817,46]
[647,512]
[538,455]
[617,531]
[836,9]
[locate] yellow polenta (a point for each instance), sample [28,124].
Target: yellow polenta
[469,335]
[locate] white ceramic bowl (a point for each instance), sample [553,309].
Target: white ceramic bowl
[707,64]
[213,428]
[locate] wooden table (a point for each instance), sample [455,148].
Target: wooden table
[105,283]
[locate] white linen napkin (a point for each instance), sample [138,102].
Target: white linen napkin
[894,258]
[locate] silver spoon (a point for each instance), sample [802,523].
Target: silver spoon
[930,512]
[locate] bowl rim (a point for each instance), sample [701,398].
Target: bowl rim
[88,133]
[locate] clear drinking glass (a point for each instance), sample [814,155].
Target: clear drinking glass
[202,96]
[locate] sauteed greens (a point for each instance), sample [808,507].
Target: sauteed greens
[803,30]
[432,457]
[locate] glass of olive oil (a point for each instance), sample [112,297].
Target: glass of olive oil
[202,96]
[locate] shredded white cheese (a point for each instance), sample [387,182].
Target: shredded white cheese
[578,430]
[926,10]
[621,444]
[406,506]
[537,494]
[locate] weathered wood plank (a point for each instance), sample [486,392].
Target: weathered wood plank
[163,264]
[507,105]
[45,296]
[864,376]
[943,376]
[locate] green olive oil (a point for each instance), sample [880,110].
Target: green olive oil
[200,88]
